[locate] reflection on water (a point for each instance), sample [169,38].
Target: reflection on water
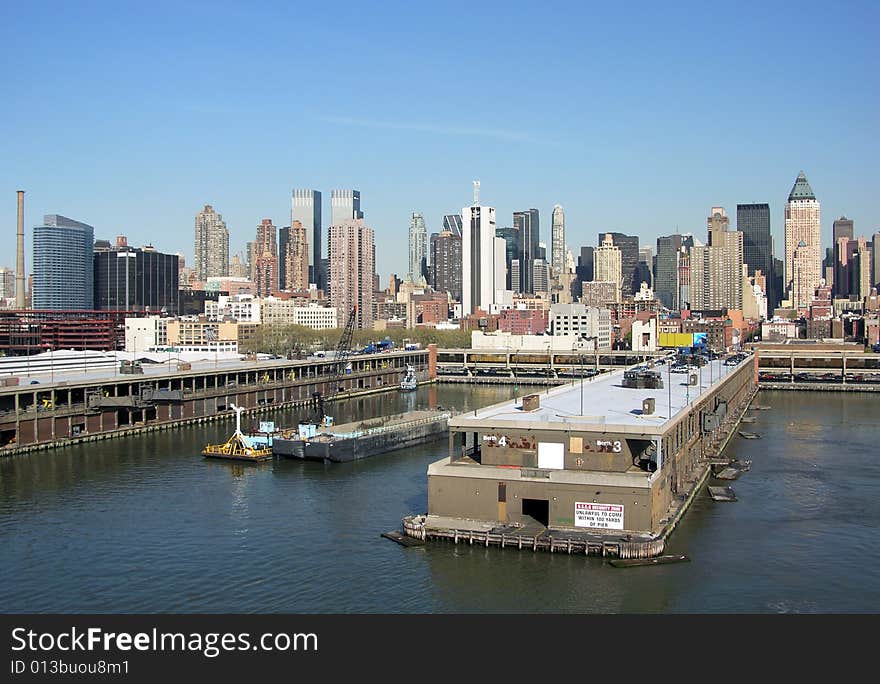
[146,525]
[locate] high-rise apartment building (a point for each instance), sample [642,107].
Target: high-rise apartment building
[557,240]
[716,269]
[528,224]
[540,276]
[63,275]
[684,275]
[237,267]
[352,265]
[803,233]
[132,279]
[418,247]
[296,258]
[513,276]
[7,283]
[305,207]
[446,263]
[607,263]
[266,259]
[753,221]
[729,244]
[862,274]
[629,260]
[478,256]
[211,245]
[875,249]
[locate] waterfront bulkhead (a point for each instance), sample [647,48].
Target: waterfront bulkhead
[592,456]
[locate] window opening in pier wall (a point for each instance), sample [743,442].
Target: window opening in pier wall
[539,509]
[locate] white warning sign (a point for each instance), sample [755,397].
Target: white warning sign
[605,516]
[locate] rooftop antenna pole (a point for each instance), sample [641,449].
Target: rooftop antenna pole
[476,193]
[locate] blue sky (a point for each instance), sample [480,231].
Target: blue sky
[131,116]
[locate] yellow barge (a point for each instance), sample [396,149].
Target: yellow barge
[239,447]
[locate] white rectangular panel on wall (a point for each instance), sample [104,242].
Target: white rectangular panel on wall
[551,455]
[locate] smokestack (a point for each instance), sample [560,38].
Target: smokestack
[19,262]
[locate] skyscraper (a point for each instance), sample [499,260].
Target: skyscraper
[352,263]
[283,241]
[528,225]
[511,254]
[296,258]
[585,265]
[666,275]
[607,262]
[446,263]
[862,272]
[131,279]
[557,247]
[345,205]
[540,276]
[845,250]
[842,228]
[211,244]
[716,269]
[478,256]
[753,221]
[629,260]
[266,259]
[452,223]
[7,283]
[418,236]
[63,264]
[875,250]
[803,232]
[305,207]
[646,266]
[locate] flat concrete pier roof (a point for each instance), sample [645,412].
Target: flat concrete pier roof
[605,402]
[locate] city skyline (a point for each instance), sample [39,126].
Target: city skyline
[111,150]
[239,238]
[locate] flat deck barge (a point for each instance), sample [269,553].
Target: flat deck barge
[353,441]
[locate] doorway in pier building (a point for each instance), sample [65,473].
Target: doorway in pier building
[539,509]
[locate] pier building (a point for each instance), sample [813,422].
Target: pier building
[589,462]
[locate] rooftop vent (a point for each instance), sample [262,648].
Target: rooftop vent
[531,402]
[648,406]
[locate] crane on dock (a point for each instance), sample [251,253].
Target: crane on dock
[340,359]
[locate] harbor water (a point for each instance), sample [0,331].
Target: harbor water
[144,524]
